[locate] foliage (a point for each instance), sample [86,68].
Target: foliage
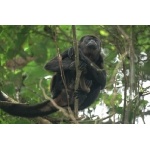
[25,49]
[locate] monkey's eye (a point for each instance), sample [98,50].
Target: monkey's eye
[95,39]
[90,39]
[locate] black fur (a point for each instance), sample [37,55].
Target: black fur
[93,79]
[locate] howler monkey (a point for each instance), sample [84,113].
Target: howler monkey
[93,79]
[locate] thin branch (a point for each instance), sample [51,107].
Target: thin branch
[116,69]
[132,70]
[78,72]
[56,106]
[124,33]
[147,112]
[125,92]
[60,65]
[146,94]
[147,88]
[111,115]
[97,120]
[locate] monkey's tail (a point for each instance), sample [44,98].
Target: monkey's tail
[26,110]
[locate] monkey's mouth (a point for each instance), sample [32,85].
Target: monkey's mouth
[92,45]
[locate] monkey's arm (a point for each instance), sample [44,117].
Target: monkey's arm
[100,77]
[54,64]
[91,97]
[95,69]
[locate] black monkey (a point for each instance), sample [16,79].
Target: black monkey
[93,79]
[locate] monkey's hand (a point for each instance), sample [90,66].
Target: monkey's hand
[88,83]
[72,66]
[82,66]
[79,94]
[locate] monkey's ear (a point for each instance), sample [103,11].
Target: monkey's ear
[81,40]
[70,52]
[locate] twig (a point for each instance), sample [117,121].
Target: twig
[146,94]
[78,72]
[132,71]
[91,64]
[56,106]
[147,112]
[116,69]
[125,93]
[61,68]
[98,120]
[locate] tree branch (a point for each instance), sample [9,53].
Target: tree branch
[69,115]
[78,72]
[132,70]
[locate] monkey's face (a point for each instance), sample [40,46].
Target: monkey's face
[90,46]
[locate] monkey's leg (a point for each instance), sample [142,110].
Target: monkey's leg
[85,84]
